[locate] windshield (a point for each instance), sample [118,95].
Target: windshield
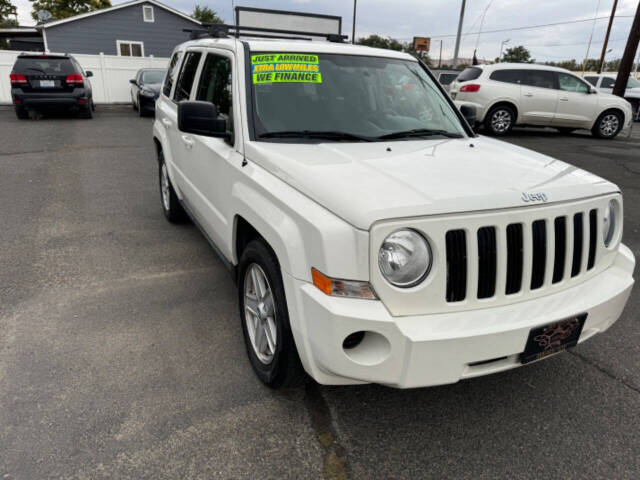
[349,97]
[153,76]
[633,83]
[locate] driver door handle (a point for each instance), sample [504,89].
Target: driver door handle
[187,140]
[528,94]
[564,99]
[166,122]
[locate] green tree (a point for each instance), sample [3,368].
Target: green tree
[67,8]
[376,41]
[517,54]
[7,10]
[206,15]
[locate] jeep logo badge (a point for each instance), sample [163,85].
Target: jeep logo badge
[534,197]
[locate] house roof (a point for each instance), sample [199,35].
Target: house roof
[117,7]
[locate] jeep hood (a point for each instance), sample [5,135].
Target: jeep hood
[366,182]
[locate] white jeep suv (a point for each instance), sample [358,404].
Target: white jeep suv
[509,94]
[372,235]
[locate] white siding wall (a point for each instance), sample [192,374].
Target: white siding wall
[111,74]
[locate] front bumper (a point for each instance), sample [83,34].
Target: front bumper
[426,350]
[148,103]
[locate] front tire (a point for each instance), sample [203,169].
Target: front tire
[265,318]
[171,207]
[500,120]
[608,125]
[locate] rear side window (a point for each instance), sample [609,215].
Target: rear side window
[44,66]
[447,78]
[215,84]
[470,73]
[540,79]
[592,80]
[187,75]
[171,74]
[508,76]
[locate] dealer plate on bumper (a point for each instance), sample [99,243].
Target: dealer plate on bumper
[553,338]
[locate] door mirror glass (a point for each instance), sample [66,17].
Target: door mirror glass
[89,73]
[133,81]
[201,118]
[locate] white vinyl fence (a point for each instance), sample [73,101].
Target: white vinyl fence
[111,74]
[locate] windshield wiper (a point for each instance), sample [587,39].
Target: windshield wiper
[328,135]
[36,69]
[419,132]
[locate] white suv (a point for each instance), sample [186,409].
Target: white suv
[509,94]
[605,83]
[372,235]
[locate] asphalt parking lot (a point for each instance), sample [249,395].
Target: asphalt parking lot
[121,352]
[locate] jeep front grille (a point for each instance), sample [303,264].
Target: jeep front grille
[554,246]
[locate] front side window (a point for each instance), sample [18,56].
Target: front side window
[569,83]
[508,76]
[351,97]
[187,74]
[171,73]
[608,82]
[633,83]
[215,85]
[540,79]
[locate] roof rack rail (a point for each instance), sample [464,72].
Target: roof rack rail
[219,30]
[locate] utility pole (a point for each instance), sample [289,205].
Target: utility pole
[353,31]
[627,58]
[440,58]
[457,49]
[606,37]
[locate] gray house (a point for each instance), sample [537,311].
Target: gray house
[139,28]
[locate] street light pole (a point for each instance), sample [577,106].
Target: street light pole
[353,31]
[502,46]
[457,48]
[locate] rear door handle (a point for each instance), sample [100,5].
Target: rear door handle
[528,94]
[564,99]
[166,122]
[187,140]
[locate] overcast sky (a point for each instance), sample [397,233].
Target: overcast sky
[402,19]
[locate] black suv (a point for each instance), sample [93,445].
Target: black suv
[50,82]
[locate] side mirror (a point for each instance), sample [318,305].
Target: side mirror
[201,118]
[469,114]
[593,90]
[88,73]
[133,81]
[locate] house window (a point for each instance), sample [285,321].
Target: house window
[147,13]
[128,48]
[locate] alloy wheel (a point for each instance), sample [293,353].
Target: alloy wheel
[259,313]
[609,125]
[164,187]
[501,121]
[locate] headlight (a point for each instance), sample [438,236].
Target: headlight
[609,223]
[405,258]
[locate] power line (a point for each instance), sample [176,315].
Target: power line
[530,26]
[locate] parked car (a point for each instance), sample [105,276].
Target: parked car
[373,236]
[145,89]
[445,77]
[506,95]
[605,83]
[43,81]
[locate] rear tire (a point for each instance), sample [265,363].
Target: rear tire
[87,112]
[22,113]
[263,309]
[500,120]
[141,110]
[608,125]
[171,206]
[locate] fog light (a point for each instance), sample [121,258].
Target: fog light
[353,340]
